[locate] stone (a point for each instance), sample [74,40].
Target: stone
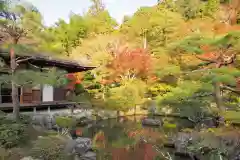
[235,156]
[83,145]
[78,146]
[70,146]
[151,122]
[208,123]
[89,156]
[182,141]
[38,120]
[48,121]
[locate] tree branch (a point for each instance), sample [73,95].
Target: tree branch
[231,89]
[23,60]
[206,59]
[38,67]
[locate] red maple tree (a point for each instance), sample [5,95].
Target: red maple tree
[73,78]
[131,64]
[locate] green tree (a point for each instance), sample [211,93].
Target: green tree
[126,96]
[62,38]
[12,24]
[189,8]
[217,73]
[153,27]
[99,20]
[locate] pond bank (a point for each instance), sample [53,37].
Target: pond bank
[129,130]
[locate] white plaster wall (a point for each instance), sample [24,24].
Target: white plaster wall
[47,93]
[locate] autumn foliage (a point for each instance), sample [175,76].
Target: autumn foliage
[73,79]
[222,28]
[209,53]
[141,151]
[131,63]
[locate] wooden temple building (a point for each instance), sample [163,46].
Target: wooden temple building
[42,94]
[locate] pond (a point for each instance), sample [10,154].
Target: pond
[127,139]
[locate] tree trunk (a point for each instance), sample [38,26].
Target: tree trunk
[218,97]
[118,116]
[219,102]
[15,101]
[144,40]
[135,110]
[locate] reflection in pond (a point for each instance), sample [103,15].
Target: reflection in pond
[126,139]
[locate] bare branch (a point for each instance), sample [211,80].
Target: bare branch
[38,67]
[237,91]
[23,60]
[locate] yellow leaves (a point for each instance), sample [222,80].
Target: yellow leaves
[94,50]
[126,96]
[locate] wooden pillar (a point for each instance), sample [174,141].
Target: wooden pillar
[34,110]
[21,95]
[72,109]
[49,109]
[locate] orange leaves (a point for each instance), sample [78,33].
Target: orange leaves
[132,134]
[106,81]
[79,132]
[76,78]
[222,28]
[99,136]
[73,78]
[209,53]
[136,62]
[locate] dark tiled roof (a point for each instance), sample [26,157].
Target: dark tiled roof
[47,61]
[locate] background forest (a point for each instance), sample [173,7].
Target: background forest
[182,54]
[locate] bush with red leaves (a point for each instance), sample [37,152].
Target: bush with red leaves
[137,63]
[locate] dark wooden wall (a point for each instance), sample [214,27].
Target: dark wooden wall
[30,95]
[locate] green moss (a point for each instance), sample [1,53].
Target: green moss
[65,122]
[169,125]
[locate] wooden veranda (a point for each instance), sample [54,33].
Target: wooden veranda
[7,107]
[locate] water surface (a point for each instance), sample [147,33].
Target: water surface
[126,139]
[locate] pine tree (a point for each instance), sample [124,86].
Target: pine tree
[219,56]
[11,25]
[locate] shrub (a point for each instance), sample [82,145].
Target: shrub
[169,125]
[50,148]
[4,119]
[232,116]
[12,135]
[25,119]
[12,154]
[127,96]
[65,122]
